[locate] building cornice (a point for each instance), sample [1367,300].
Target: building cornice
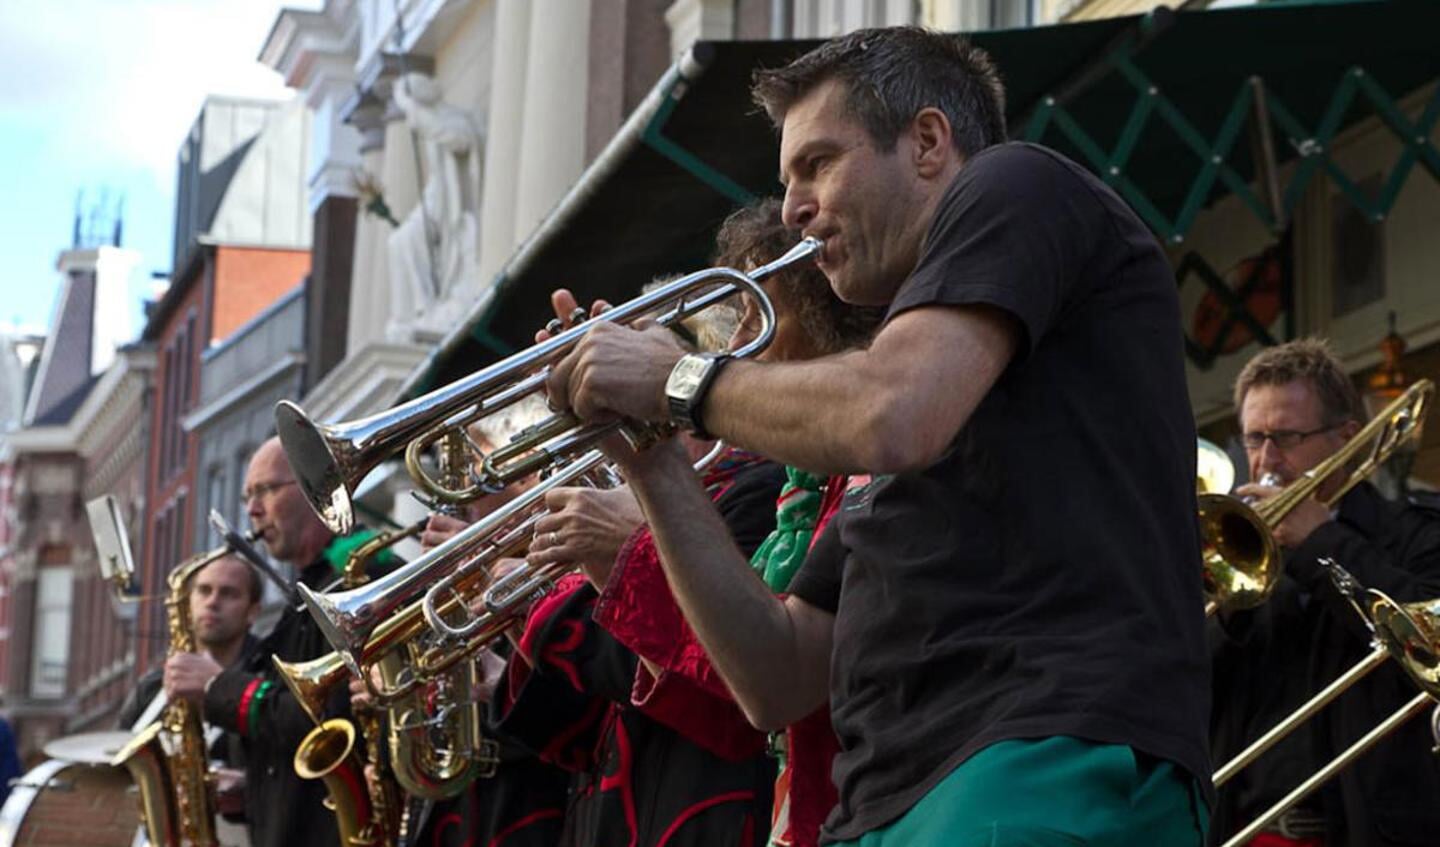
[120,387]
[364,383]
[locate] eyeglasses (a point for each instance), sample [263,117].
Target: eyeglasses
[260,489]
[1283,439]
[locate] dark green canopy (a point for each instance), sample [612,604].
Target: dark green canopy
[1167,106]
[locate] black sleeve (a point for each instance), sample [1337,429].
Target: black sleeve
[275,717]
[748,505]
[1407,568]
[818,580]
[1015,231]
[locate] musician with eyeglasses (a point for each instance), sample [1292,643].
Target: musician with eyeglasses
[1007,619]
[1297,407]
[248,698]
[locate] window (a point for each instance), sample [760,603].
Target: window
[50,652]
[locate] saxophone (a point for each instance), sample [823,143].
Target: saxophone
[177,799]
[328,753]
[371,818]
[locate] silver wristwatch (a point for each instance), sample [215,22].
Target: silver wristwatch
[687,385]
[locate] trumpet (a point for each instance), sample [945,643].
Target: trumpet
[1238,548]
[364,623]
[329,460]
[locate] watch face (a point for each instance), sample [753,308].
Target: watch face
[685,377]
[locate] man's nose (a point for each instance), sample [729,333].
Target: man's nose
[1268,460]
[799,208]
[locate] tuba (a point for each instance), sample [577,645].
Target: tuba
[1238,548]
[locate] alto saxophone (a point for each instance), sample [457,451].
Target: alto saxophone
[177,800]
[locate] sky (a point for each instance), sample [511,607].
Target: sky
[96,98]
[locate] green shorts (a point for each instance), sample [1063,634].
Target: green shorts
[1054,792]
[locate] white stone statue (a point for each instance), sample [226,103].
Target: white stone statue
[433,253]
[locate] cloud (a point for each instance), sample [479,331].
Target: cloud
[120,83]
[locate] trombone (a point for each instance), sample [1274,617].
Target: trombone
[1409,633]
[1238,549]
[329,460]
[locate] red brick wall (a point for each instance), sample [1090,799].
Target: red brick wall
[247,279]
[170,461]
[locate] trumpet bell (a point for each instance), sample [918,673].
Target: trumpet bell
[1240,556]
[345,618]
[1411,632]
[325,464]
[311,682]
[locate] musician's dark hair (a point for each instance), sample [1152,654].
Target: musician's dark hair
[253,581]
[756,234]
[1311,360]
[889,75]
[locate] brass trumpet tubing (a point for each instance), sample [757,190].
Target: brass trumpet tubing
[353,574]
[1240,555]
[436,752]
[349,618]
[454,460]
[1339,763]
[1358,671]
[1390,428]
[328,459]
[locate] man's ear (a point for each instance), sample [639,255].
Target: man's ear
[1349,428]
[252,614]
[934,150]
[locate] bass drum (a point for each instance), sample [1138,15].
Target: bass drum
[60,804]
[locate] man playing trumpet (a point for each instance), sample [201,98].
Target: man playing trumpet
[982,614]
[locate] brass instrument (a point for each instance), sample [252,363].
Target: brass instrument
[434,734]
[365,623]
[1239,552]
[1406,632]
[329,460]
[328,753]
[1214,472]
[176,794]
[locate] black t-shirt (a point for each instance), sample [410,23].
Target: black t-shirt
[1043,577]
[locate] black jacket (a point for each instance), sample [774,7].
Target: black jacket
[282,809]
[1270,660]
